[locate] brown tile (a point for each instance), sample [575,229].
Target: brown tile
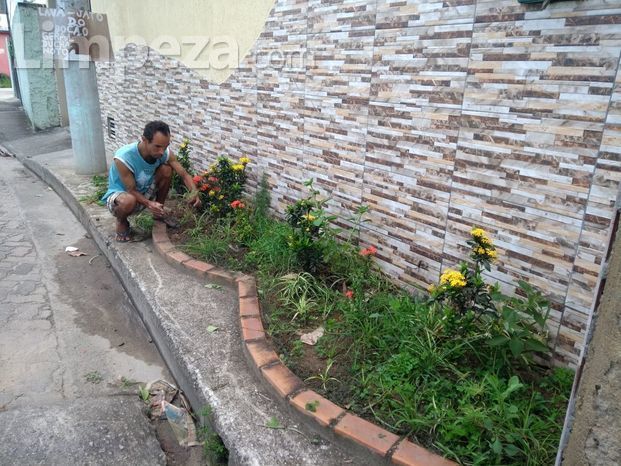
[249,306]
[246,287]
[177,257]
[282,379]
[164,246]
[261,353]
[221,276]
[410,454]
[366,434]
[252,328]
[325,411]
[199,268]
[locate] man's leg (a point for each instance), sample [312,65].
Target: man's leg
[163,180]
[124,205]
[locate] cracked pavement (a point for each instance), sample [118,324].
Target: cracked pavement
[62,318]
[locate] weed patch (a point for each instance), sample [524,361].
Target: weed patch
[100,186]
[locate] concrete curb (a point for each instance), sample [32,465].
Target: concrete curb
[332,420]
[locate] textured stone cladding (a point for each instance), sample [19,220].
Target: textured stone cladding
[440,115]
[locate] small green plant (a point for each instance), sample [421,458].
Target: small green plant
[183,157]
[127,383]
[324,377]
[144,393]
[311,225]
[144,222]
[274,423]
[312,406]
[214,449]
[100,183]
[93,377]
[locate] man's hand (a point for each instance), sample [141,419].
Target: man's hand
[194,199]
[156,208]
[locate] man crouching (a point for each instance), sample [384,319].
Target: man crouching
[140,177]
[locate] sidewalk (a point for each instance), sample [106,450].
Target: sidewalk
[177,309]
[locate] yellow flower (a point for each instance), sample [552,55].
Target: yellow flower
[309,217]
[491,253]
[244,160]
[212,193]
[480,235]
[453,278]
[237,167]
[221,196]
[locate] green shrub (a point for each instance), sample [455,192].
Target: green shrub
[221,186]
[5,81]
[183,156]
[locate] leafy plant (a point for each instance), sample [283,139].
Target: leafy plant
[222,185]
[324,377]
[517,326]
[183,157]
[311,224]
[100,183]
[144,393]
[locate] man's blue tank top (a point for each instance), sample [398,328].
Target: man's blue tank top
[144,172]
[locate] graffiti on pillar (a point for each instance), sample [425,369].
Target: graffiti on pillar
[79,32]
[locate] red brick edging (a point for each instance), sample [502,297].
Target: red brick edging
[284,382]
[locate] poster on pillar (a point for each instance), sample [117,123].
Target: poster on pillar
[78,33]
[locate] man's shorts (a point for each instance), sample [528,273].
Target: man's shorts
[112,205]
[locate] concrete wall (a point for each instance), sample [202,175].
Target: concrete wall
[438,115]
[596,432]
[240,21]
[36,79]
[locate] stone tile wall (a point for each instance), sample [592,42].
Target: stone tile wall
[440,115]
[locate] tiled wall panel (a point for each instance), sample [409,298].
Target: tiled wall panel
[439,115]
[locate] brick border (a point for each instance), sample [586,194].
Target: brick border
[286,384]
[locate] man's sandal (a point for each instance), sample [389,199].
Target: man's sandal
[128,236]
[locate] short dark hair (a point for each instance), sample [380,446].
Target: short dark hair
[153,127]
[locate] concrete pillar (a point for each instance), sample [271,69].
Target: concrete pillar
[89,153]
[595,436]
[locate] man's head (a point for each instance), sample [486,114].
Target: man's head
[155,140]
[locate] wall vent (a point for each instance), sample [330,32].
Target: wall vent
[111,128]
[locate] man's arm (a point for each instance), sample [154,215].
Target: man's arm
[127,177]
[194,199]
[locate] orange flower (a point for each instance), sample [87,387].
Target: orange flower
[204,187]
[212,179]
[236,204]
[349,294]
[370,251]
[197,179]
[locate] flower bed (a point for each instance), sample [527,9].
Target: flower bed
[458,370]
